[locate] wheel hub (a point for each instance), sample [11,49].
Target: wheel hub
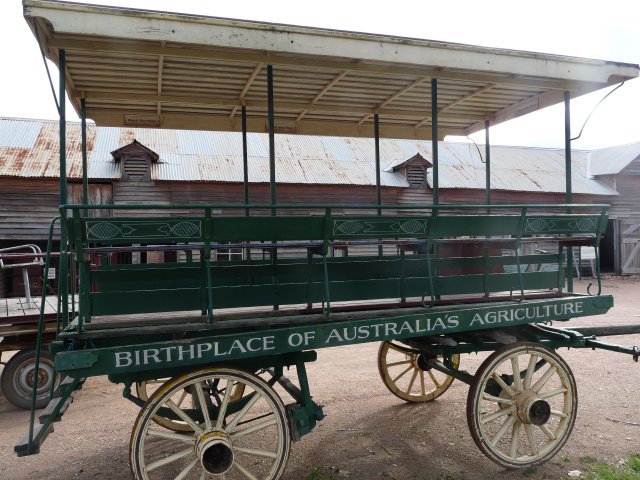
[27,377]
[215,452]
[420,361]
[532,410]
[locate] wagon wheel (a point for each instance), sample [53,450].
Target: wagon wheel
[19,374]
[247,438]
[522,405]
[145,390]
[407,375]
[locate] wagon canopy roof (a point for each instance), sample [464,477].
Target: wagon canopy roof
[168,70]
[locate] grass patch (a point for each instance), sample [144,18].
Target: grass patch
[629,470]
[588,459]
[529,471]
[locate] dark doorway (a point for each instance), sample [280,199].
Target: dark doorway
[607,249]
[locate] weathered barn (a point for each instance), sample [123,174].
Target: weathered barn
[135,165]
[619,168]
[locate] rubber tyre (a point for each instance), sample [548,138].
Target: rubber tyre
[17,378]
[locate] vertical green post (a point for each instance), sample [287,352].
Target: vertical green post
[272,165]
[568,174]
[272,147]
[85,173]
[63,287]
[245,170]
[376,134]
[245,159]
[487,155]
[434,139]
[567,146]
[63,131]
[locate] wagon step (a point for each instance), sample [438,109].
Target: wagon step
[31,442]
[40,433]
[55,409]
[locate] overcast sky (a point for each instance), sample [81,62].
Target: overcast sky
[583,28]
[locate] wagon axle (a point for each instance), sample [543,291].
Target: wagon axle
[215,451]
[531,409]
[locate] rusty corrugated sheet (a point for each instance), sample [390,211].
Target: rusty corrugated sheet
[30,149]
[34,151]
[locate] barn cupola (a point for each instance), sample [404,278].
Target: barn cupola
[135,160]
[415,170]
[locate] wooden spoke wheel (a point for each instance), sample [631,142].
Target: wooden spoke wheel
[522,405]
[246,437]
[407,375]
[146,388]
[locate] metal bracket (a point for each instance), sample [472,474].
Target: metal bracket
[636,353]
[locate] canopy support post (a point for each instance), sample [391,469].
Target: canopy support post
[85,174]
[487,156]
[376,133]
[272,147]
[245,161]
[272,164]
[434,139]
[63,290]
[568,174]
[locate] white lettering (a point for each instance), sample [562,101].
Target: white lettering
[203,347]
[182,349]
[168,353]
[254,349]
[295,340]
[237,345]
[216,350]
[390,327]
[334,335]
[308,336]
[123,359]
[151,353]
[476,318]
[268,343]
[363,332]
[406,327]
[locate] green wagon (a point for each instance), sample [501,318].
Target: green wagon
[201,345]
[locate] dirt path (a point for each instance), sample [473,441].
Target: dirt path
[368,433]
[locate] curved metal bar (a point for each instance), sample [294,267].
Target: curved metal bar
[34,391]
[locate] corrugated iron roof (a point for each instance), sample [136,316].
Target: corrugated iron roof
[196,156]
[612,160]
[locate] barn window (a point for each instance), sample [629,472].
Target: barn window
[416,176]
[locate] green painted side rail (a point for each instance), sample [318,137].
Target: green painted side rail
[206,347]
[431,271]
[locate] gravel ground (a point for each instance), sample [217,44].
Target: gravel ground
[368,433]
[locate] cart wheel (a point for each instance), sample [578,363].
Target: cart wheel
[18,375]
[145,390]
[522,405]
[407,375]
[243,438]
[185,400]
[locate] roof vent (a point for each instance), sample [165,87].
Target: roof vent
[136,169]
[416,176]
